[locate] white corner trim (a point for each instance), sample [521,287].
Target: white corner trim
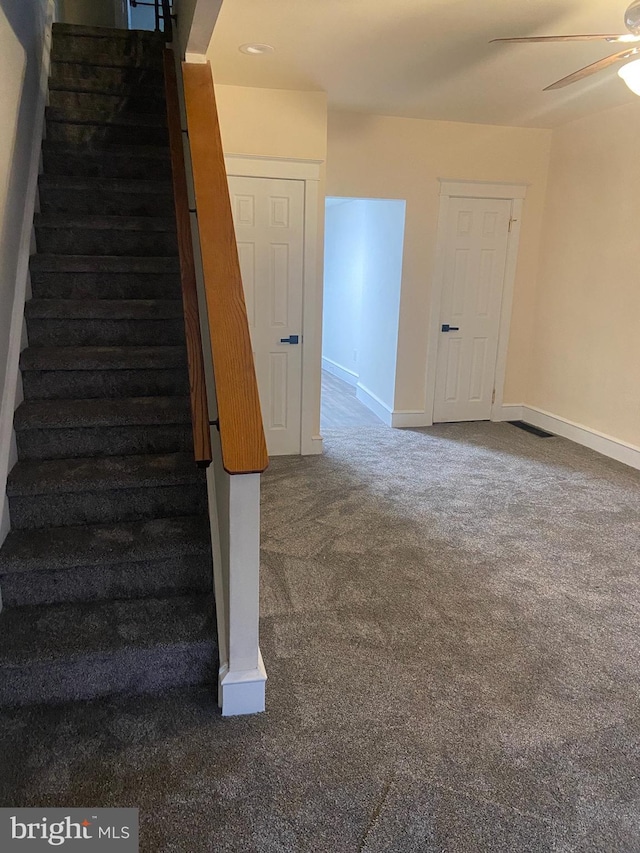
[256,166]
[371,401]
[614,448]
[338,370]
[481,189]
[404,419]
[507,412]
[242,692]
[195,58]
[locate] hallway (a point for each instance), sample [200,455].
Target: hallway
[340,407]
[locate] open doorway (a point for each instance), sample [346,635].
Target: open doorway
[364,241]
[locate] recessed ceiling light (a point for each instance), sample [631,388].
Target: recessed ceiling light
[255,49]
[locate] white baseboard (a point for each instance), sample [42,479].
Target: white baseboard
[242,692]
[341,372]
[377,406]
[609,446]
[507,412]
[404,419]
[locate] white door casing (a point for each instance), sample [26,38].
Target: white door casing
[475,256]
[450,192]
[268,216]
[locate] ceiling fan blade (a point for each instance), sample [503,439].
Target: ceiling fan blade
[595,37]
[588,70]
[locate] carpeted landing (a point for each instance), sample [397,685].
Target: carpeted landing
[452,634]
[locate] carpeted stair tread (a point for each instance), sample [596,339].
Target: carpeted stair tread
[100,474]
[117,161]
[102,358]
[124,152]
[104,264]
[70,104]
[104,309]
[62,414]
[146,84]
[106,223]
[134,49]
[61,548]
[93,185]
[61,652]
[60,28]
[55,632]
[94,116]
[65,195]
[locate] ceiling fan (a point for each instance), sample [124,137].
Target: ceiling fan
[632,38]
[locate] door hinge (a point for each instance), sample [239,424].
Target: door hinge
[511,221]
[493,397]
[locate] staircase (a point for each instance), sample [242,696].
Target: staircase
[106,575]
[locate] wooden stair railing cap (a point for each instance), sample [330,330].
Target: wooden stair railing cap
[242,437]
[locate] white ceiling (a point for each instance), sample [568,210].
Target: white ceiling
[426,58]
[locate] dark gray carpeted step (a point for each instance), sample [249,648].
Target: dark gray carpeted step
[78,651]
[136,49]
[99,129]
[106,235]
[61,28]
[58,429]
[93,196]
[145,162]
[89,563]
[104,322]
[134,102]
[103,309]
[58,492]
[85,276]
[146,84]
[97,372]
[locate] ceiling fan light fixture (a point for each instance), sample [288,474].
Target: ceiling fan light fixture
[630,73]
[632,18]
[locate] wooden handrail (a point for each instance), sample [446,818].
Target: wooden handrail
[195,359]
[244,449]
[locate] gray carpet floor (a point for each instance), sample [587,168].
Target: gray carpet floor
[452,635]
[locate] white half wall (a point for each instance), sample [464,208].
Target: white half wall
[196,22]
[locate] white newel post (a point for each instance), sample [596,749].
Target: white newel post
[242,675]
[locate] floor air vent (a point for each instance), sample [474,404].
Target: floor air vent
[532,429]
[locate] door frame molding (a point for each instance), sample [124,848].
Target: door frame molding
[450,188]
[308,171]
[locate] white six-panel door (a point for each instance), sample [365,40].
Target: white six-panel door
[476,240]
[268,215]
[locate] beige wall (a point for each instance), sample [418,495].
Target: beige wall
[385,157]
[586,356]
[273,122]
